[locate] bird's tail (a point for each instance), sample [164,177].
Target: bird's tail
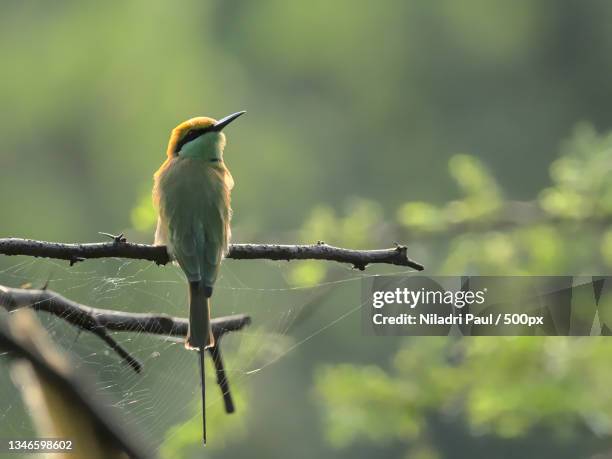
[203,387]
[200,334]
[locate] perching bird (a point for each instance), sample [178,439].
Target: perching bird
[191,193]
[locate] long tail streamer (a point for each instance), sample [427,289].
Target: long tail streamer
[203,386]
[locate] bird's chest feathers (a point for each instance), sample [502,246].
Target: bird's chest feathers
[193,181]
[193,199]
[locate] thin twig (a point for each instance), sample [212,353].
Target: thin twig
[119,248]
[215,354]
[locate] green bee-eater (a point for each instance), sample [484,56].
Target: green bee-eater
[191,193]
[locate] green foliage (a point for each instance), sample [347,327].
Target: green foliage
[501,387]
[481,199]
[371,403]
[559,232]
[582,178]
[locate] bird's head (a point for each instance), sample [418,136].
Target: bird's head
[200,137]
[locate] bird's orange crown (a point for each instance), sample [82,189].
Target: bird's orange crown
[191,127]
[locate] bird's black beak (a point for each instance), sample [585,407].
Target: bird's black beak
[219,125]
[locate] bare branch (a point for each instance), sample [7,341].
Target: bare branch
[99,321]
[119,248]
[88,318]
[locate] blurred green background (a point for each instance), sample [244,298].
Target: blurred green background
[473,131]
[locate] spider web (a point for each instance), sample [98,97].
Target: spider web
[167,392]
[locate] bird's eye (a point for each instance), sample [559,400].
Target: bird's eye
[188,137]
